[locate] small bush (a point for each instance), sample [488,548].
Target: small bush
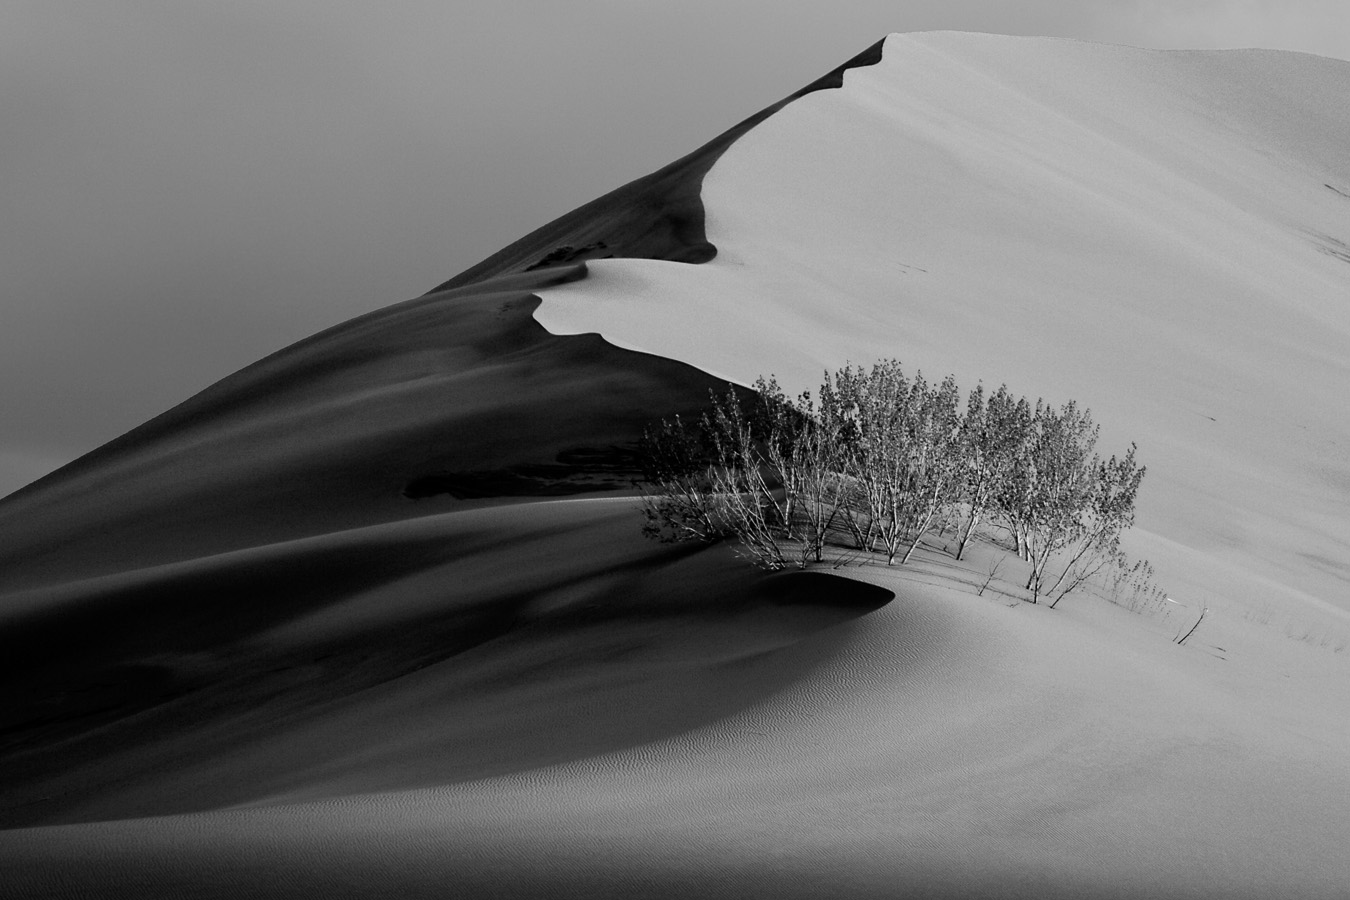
[885,459]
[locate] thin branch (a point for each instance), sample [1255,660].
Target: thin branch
[1182,639]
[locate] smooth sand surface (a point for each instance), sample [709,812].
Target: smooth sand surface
[658,216]
[140,585]
[1150,233]
[944,745]
[373,616]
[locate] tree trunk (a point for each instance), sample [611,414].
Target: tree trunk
[965,535]
[934,503]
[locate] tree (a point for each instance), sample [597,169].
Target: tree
[750,504]
[1049,486]
[867,407]
[885,458]
[1107,515]
[764,472]
[899,452]
[931,473]
[801,454]
[992,437]
[685,506]
[1061,500]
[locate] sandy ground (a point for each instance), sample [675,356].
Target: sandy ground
[1149,233]
[255,553]
[374,617]
[946,744]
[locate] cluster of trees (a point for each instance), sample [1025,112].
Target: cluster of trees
[883,459]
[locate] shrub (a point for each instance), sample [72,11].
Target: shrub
[884,460]
[765,472]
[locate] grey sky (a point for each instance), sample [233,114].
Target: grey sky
[189,186]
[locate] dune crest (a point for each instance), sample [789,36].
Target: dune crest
[145,587]
[1150,233]
[374,616]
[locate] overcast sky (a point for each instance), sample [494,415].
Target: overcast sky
[188,186]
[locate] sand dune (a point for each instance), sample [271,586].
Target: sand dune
[144,584]
[946,745]
[1146,232]
[333,431]
[373,616]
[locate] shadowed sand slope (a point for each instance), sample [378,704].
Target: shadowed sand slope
[394,415]
[432,651]
[205,593]
[373,616]
[264,590]
[944,746]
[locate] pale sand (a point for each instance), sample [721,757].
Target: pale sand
[947,743]
[1146,232]
[255,629]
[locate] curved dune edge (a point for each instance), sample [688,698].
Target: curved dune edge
[619,719]
[240,600]
[325,440]
[971,204]
[658,216]
[602,642]
[183,609]
[947,745]
[329,434]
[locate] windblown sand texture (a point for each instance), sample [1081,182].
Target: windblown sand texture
[373,616]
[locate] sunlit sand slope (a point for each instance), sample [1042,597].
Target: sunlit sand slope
[1163,236]
[658,216]
[373,616]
